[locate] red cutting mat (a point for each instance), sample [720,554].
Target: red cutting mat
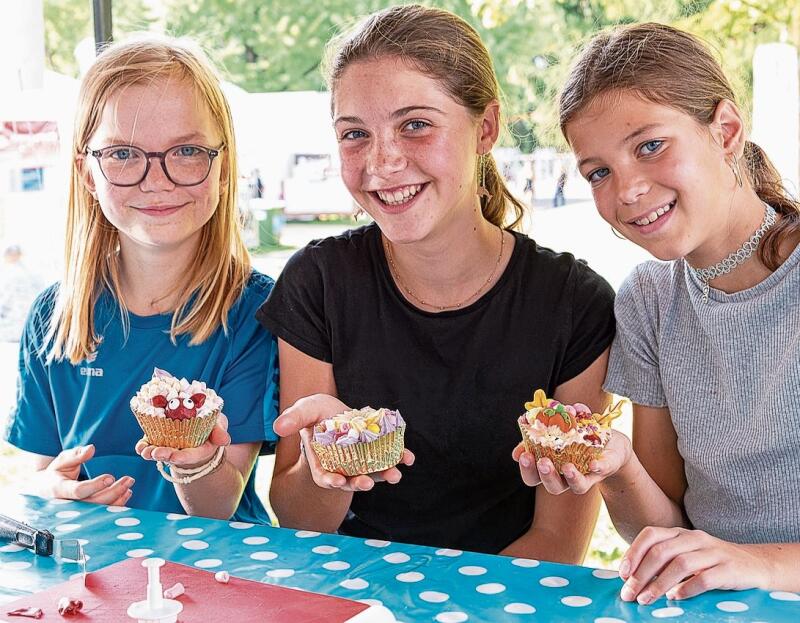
[110,591]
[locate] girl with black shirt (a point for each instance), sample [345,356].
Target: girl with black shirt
[438,309]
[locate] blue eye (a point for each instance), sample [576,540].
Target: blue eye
[650,147]
[597,175]
[122,153]
[186,151]
[417,124]
[352,135]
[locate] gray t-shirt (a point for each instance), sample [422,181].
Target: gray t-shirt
[729,372]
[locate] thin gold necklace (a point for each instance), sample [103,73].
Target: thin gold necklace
[410,292]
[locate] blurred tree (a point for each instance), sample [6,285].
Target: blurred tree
[68,22]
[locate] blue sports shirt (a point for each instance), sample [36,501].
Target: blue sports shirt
[61,406]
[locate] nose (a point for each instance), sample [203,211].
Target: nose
[384,157]
[631,185]
[156,178]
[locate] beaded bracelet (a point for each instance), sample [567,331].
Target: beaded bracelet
[185,476]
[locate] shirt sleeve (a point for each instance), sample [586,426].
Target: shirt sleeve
[633,368]
[32,425]
[250,381]
[295,309]
[592,326]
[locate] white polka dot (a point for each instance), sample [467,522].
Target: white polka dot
[492,588]
[525,562]
[11,547]
[667,613]
[411,576]
[67,527]
[784,596]
[377,543]
[608,620]
[371,602]
[325,549]
[306,534]
[130,536]
[519,608]
[194,545]
[265,555]
[470,570]
[355,584]
[255,540]
[605,574]
[177,517]
[732,606]
[190,531]
[59,501]
[127,522]
[575,601]
[451,553]
[434,597]
[138,553]
[553,581]
[280,573]
[396,558]
[117,509]
[451,617]
[336,565]
[16,566]
[240,525]
[208,563]
[67,514]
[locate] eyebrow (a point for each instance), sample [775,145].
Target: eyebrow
[400,112]
[178,140]
[633,135]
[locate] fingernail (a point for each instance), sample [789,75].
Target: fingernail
[627,593]
[568,473]
[78,450]
[644,599]
[624,568]
[108,481]
[544,468]
[524,461]
[671,594]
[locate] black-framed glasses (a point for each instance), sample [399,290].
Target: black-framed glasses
[126,165]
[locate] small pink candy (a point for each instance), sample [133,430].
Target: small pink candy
[582,408]
[570,409]
[223,577]
[174,591]
[553,404]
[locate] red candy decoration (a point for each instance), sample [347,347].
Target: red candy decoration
[159,401]
[185,409]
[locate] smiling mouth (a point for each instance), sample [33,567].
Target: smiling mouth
[651,218]
[400,195]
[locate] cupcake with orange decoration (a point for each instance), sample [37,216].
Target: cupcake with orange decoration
[566,433]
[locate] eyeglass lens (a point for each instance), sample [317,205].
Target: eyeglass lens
[185,164]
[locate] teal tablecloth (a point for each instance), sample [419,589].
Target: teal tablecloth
[415,583]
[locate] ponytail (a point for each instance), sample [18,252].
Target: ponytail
[767,184]
[502,202]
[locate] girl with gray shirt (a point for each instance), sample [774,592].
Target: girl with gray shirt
[708,340]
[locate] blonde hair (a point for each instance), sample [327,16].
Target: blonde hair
[215,278]
[673,68]
[444,47]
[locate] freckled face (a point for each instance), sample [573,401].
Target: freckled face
[155,117]
[408,150]
[656,174]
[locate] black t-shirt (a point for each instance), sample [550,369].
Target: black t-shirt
[459,378]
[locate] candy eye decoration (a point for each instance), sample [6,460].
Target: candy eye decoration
[188,403]
[174,404]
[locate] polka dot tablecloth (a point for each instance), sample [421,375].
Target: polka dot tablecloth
[415,583]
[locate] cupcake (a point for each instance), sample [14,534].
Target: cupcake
[175,413]
[361,441]
[566,433]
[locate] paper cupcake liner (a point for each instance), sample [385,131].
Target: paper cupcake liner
[580,455]
[362,457]
[180,434]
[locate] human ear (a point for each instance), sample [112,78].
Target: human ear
[727,128]
[489,127]
[85,174]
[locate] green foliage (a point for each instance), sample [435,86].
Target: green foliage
[277,45]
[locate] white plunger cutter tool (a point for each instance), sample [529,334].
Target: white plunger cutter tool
[155,609]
